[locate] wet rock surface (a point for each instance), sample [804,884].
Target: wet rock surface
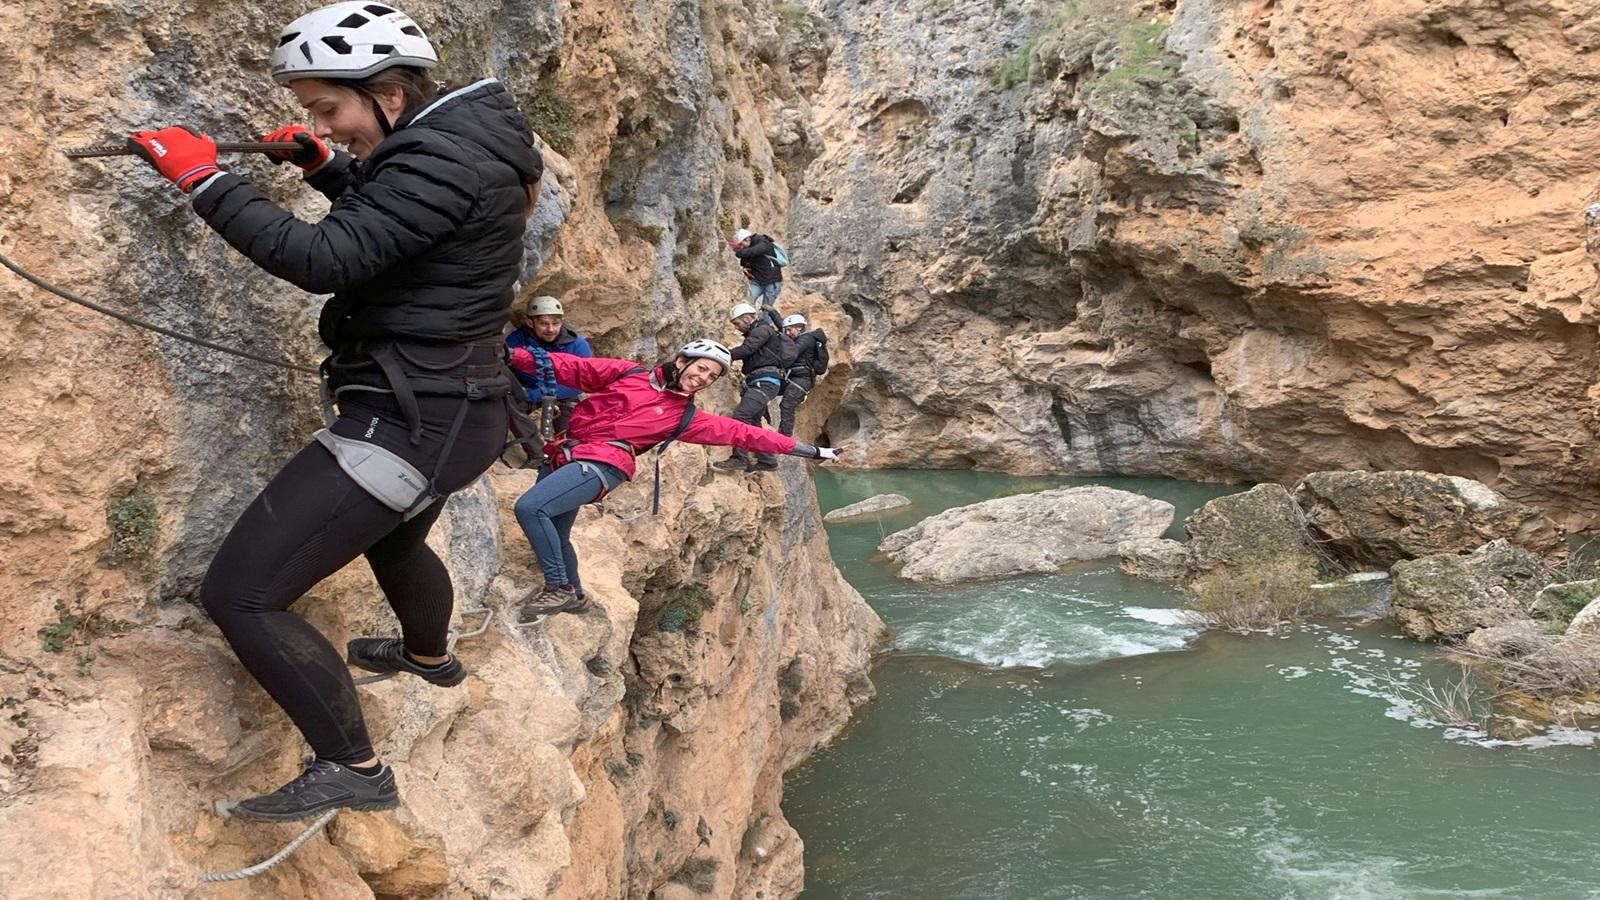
[1029,533]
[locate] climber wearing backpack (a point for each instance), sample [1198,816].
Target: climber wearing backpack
[810,361]
[763,261]
[767,354]
[630,410]
[421,250]
[541,322]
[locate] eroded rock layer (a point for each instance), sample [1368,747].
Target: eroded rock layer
[1224,240]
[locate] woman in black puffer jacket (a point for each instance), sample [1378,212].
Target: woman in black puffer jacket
[420,249]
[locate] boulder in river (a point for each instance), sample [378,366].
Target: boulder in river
[877,504]
[1024,534]
[1562,602]
[1161,559]
[1512,640]
[1448,595]
[1245,530]
[1375,519]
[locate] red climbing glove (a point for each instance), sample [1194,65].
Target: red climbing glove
[309,153]
[185,158]
[522,361]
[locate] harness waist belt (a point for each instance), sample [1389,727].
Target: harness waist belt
[394,482]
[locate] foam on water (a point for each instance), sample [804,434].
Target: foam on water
[1400,683]
[1037,630]
[1175,617]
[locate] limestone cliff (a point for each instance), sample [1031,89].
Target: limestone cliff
[1226,240]
[581,758]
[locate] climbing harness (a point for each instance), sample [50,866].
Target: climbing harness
[65,294]
[476,371]
[224,808]
[122,149]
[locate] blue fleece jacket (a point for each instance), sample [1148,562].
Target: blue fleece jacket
[568,341]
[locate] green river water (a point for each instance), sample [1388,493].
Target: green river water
[1065,736]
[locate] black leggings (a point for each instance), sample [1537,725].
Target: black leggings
[310,521]
[751,409]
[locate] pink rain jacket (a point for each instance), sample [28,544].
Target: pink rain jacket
[637,410]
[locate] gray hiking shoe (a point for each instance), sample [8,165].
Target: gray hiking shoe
[385,655]
[731,464]
[324,785]
[548,602]
[764,465]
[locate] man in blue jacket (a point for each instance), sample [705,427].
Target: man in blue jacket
[541,322]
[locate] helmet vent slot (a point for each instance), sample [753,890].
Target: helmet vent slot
[287,38]
[354,20]
[339,44]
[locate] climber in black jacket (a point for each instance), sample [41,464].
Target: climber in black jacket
[810,361]
[766,355]
[421,250]
[762,273]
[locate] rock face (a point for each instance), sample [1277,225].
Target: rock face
[867,507]
[729,648]
[1215,239]
[1375,519]
[1450,596]
[1028,533]
[1160,559]
[1246,529]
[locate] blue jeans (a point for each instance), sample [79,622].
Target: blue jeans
[546,513]
[764,294]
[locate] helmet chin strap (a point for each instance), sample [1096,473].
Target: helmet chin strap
[383,119]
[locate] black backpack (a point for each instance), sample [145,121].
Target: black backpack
[788,351]
[819,356]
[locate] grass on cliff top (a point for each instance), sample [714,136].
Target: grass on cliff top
[1019,66]
[793,15]
[1138,41]
[1143,59]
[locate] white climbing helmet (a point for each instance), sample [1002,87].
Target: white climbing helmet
[742,235]
[545,306]
[795,319]
[350,41]
[704,348]
[743,309]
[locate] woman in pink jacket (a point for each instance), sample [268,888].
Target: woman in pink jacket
[629,410]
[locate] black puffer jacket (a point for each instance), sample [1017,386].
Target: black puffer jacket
[424,239]
[811,355]
[758,262]
[765,351]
